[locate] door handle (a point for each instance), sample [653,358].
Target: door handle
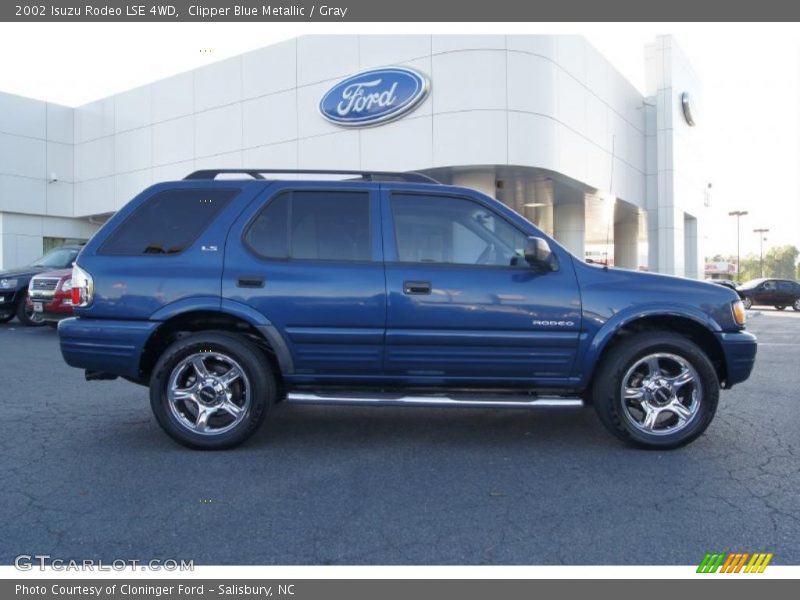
[250,282]
[416,287]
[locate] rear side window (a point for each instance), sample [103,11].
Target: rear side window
[168,222]
[315,225]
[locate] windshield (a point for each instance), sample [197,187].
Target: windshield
[748,285]
[59,258]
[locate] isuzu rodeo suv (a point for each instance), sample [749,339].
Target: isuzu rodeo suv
[225,296]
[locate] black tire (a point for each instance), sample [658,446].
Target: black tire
[748,302]
[780,307]
[5,318]
[258,379]
[607,389]
[24,316]
[796,305]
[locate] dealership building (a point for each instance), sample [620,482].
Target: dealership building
[543,123]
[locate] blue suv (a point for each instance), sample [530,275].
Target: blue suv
[225,296]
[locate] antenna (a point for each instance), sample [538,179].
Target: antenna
[610,196]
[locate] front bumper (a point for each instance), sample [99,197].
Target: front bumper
[53,308]
[740,355]
[8,301]
[105,345]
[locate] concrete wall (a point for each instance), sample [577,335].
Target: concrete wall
[544,101]
[36,139]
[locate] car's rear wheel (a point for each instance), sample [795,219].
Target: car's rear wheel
[796,304]
[779,307]
[25,313]
[656,390]
[748,302]
[6,317]
[211,391]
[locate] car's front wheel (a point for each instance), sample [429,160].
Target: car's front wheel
[656,390]
[779,307]
[796,304]
[211,391]
[748,302]
[25,313]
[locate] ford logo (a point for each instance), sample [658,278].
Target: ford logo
[374,97]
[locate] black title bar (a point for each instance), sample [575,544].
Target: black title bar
[401,10]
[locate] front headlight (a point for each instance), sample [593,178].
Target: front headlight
[739,313]
[8,283]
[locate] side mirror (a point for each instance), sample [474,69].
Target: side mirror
[539,254]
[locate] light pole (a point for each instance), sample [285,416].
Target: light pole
[761,231]
[738,214]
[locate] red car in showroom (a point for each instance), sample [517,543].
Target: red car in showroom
[50,296]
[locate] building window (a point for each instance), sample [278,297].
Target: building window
[49,243]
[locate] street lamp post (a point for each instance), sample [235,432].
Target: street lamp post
[738,214]
[761,231]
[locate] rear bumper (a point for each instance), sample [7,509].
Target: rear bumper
[107,346]
[740,355]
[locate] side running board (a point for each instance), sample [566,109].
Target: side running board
[465,401]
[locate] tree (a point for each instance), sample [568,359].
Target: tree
[781,261]
[750,268]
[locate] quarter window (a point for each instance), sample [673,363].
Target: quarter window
[315,225]
[438,229]
[167,223]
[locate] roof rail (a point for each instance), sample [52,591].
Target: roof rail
[410,177]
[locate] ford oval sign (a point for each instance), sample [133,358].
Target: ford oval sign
[374,97]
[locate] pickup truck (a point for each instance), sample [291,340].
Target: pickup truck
[227,295]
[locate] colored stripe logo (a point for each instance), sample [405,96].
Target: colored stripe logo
[735,562]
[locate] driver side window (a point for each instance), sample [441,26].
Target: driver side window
[449,230]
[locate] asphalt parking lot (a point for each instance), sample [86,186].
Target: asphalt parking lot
[87,473]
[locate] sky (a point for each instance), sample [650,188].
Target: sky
[750,75]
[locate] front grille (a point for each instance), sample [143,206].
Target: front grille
[44,284]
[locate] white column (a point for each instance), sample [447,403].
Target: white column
[482,180]
[3,265]
[569,226]
[626,243]
[691,254]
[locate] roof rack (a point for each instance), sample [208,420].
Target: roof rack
[410,177]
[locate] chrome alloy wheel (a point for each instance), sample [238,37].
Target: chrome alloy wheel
[661,394]
[208,393]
